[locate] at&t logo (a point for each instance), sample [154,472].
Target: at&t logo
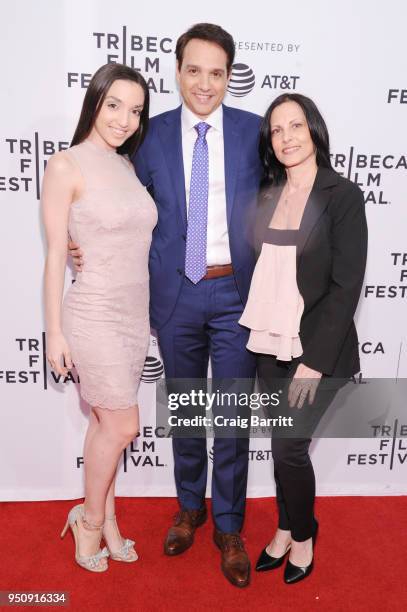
[243,80]
[254,455]
[153,369]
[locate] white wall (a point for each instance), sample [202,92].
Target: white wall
[345,55]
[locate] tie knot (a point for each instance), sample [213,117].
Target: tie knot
[202,128]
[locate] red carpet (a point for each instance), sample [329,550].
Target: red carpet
[360,560]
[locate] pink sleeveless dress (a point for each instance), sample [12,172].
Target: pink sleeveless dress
[106,311]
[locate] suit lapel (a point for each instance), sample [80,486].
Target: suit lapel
[317,202]
[231,141]
[171,140]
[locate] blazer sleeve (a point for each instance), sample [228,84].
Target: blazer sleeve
[338,306]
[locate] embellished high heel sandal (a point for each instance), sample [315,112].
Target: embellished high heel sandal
[91,563]
[126,552]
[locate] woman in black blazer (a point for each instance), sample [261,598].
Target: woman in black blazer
[312,237]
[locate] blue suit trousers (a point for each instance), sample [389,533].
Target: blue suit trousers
[203,326]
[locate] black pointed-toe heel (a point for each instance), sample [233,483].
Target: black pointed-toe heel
[266,562]
[295,573]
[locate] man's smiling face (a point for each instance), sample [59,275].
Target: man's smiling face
[203,76]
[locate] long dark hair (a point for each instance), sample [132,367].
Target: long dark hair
[94,97]
[273,170]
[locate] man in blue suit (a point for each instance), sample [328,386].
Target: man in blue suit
[201,164]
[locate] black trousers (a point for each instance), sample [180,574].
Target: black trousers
[293,471]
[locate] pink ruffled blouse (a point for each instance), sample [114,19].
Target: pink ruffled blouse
[275,306]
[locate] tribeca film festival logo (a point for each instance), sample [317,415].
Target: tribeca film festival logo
[392,447]
[142,452]
[365,169]
[398,96]
[33,351]
[30,156]
[371,348]
[399,261]
[35,368]
[143,53]
[243,80]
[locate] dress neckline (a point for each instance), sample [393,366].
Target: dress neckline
[100,150]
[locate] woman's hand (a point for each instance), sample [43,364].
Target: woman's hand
[58,353]
[305,382]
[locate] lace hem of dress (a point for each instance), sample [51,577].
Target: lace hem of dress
[114,404]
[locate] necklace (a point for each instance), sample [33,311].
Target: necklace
[294,195]
[289,212]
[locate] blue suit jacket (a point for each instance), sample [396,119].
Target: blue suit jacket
[159,166]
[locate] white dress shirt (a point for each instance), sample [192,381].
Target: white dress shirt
[217,250]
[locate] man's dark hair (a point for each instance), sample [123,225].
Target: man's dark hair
[211,33]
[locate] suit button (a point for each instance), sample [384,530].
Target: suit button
[180,272]
[184,237]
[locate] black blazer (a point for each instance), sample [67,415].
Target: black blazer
[331,261]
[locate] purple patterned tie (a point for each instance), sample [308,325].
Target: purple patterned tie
[195,259]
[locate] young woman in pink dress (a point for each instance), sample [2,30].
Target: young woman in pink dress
[102,326]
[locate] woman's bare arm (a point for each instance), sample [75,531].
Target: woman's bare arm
[60,185]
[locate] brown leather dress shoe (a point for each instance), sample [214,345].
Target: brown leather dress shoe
[235,562]
[181,535]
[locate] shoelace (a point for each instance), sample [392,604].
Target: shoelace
[233,541]
[182,516]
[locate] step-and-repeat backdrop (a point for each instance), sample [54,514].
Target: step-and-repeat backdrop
[349,57]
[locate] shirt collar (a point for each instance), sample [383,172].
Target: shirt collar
[189,119]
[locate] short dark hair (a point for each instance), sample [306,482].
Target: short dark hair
[211,33]
[95,95]
[273,170]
